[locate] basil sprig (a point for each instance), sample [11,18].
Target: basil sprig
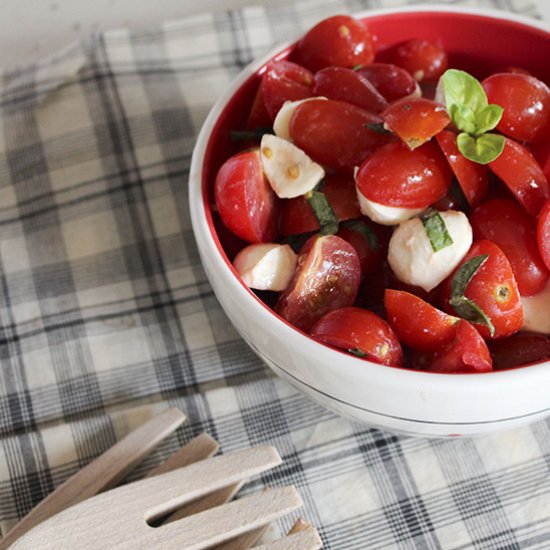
[323,212]
[464,307]
[469,109]
[435,228]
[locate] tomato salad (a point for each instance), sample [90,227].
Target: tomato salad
[393,207]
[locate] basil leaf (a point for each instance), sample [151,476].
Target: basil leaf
[464,118]
[464,275]
[488,118]
[366,231]
[243,135]
[323,212]
[378,128]
[469,310]
[462,89]
[357,352]
[482,149]
[357,67]
[436,230]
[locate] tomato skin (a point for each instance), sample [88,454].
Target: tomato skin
[543,233]
[327,277]
[391,81]
[471,176]
[359,329]
[246,203]
[505,223]
[526,104]
[519,349]
[519,170]
[285,81]
[415,120]
[417,323]
[423,59]
[393,175]
[339,41]
[258,116]
[297,216]
[493,288]
[334,133]
[346,85]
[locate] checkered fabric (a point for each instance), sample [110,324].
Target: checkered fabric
[106,315]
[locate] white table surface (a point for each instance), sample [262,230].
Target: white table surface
[31,29]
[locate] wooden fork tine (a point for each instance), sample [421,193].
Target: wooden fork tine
[305,539]
[246,541]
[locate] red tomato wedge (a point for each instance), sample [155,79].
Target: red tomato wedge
[339,41]
[423,59]
[335,133]
[519,170]
[327,277]
[471,176]
[285,81]
[297,216]
[246,203]
[415,120]
[519,349]
[360,332]
[493,288]
[418,324]
[258,117]
[393,175]
[543,233]
[346,85]
[391,81]
[505,223]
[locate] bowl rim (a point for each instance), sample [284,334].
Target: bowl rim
[338,362]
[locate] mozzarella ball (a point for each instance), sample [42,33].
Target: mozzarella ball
[385,215]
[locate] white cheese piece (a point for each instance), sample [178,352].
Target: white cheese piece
[413,259]
[536,311]
[385,215]
[266,266]
[288,169]
[282,120]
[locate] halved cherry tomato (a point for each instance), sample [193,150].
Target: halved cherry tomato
[360,332]
[519,170]
[259,117]
[417,323]
[519,349]
[347,85]
[393,175]
[297,216]
[336,134]
[543,233]
[285,81]
[505,223]
[423,59]
[526,104]
[339,41]
[471,176]
[493,288]
[391,81]
[327,277]
[246,203]
[415,120]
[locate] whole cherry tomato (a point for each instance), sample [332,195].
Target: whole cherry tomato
[285,81]
[336,134]
[493,288]
[327,277]
[526,104]
[505,223]
[418,324]
[393,175]
[360,332]
[246,203]
[543,233]
[391,81]
[519,349]
[339,41]
[423,59]
[347,85]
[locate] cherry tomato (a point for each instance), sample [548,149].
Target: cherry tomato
[505,223]
[259,117]
[543,233]
[297,216]
[391,81]
[471,176]
[339,41]
[327,277]
[417,323]
[347,85]
[285,81]
[519,349]
[423,59]
[526,104]
[519,170]
[393,175]
[515,70]
[334,133]
[360,332]
[246,203]
[493,288]
[415,120]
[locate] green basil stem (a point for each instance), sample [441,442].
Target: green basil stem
[323,212]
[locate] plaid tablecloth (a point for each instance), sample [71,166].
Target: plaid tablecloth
[106,315]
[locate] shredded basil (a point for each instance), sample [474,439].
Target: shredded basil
[436,230]
[255,134]
[357,352]
[323,212]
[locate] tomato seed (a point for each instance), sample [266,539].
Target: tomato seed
[344,31]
